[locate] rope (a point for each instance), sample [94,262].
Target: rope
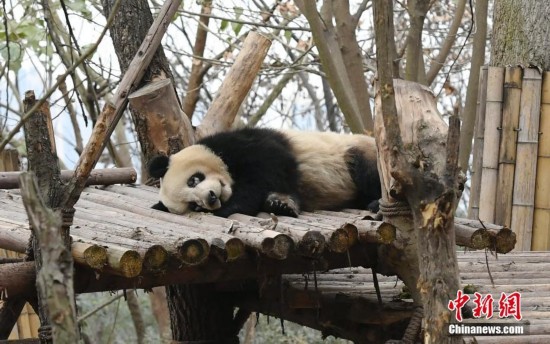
[67,216]
[413,329]
[394,208]
[45,334]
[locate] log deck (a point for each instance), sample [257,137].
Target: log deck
[120,243]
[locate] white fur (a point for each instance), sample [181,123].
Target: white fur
[184,164]
[325,178]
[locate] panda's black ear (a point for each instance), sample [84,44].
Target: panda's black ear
[158,166]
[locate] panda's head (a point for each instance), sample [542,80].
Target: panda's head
[194,179]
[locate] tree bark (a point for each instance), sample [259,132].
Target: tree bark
[55,277]
[419,165]
[521,34]
[200,313]
[128,31]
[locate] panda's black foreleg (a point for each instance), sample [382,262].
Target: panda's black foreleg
[365,176]
[282,204]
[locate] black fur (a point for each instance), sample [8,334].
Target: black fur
[160,206]
[260,161]
[158,166]
[265,173]
[365,176]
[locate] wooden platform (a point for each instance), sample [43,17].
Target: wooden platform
[120,243]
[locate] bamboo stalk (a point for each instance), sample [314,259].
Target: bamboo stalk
[541,218]
[493,116]
[507,152]
[526,163]
[475,186]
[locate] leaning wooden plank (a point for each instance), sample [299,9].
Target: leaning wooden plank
[235,86]
[541,218]
[493,115]
[526,163]
[507,151]
[105,176]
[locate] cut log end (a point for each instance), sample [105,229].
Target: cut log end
[339,241]
[480,239]
[235,249]
[313,244]
[277,247]
[505,240]
[155,259]
[128,265]
[95,257]
[194,251]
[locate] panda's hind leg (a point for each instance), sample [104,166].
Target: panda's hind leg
[281,204]
[364,173]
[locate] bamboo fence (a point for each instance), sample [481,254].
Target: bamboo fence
[510,179]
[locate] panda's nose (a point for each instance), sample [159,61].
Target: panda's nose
[212,198]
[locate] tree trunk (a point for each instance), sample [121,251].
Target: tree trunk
[198,312]
[521,34]
[129,28]
[191,306]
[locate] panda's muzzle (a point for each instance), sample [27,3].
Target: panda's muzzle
[212,199]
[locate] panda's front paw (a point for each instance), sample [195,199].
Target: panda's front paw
[280,204]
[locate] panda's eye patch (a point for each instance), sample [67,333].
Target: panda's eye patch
[195,179]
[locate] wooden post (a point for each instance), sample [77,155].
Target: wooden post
[493,115]
[235,86]
[526,163]
[507,152]
[475,185]
[55,277]
[541,218]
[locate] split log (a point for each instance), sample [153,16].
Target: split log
[168,128]
[106,176]
[526,163]
[541,218]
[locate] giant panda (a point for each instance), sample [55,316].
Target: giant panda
[282,172]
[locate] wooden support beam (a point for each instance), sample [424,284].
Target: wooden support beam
[102,176]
